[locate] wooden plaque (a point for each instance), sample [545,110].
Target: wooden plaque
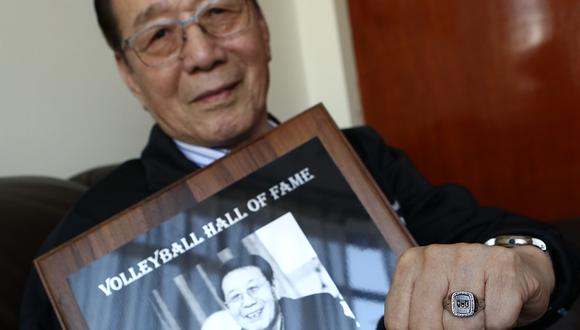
[301,181]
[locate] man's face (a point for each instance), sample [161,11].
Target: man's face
[215,93]
[250,298]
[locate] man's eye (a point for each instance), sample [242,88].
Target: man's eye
[157,38]
[234,297]
[216,11]
[221,13]
[159,34]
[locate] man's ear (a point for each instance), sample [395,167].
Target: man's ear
[265,32]
[127,74]
[275,287]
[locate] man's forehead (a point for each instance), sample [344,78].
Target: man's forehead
[242,276]
[131,13]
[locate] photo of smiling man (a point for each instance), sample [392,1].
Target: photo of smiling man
[249,294]
[248,289]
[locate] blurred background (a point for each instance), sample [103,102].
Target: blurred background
[483,93]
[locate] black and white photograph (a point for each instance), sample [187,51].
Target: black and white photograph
[265,286]
[284,248]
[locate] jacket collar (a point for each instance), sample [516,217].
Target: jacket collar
[163,162]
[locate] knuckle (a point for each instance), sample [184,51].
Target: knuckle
[468,251]
[506,262]
[405,266]
[505,257]
[510,274]
[438,254]
[409,259]
[505,266]
[433,251]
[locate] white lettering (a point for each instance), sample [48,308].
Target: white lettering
[144,267]
[106,288]
[257,203]
[306,175]
[209,230]
[221,224]
[155,259]
[116,283]
[275,192]
[165,255]
[238,216]
[177,249]
[292,183]
[133,275]
[125,280]
[196,241]
[296,180]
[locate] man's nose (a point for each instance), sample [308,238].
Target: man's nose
[248,300]
[200,51]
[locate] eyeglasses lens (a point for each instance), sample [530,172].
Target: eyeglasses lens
[162,43]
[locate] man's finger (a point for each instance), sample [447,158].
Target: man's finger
[426,310]
[468,276]
[503,298]
[426,307]
[399,297]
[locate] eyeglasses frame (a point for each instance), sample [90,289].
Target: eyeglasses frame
[183,24]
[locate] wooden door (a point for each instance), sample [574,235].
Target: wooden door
[481,93]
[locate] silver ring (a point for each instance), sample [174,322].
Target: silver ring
[463,304]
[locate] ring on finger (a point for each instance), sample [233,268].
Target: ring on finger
[463,304]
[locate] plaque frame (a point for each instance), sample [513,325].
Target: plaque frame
[56,265]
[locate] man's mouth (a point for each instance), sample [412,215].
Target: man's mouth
[255,315]
[216,94]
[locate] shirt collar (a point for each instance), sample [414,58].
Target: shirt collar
[204,156]
[201,156]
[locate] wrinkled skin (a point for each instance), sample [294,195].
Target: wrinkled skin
[515,283]
[215,94]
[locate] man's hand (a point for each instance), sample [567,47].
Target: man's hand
[516,284]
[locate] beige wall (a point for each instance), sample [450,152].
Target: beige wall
[64,109]
[63,106]
[313,59]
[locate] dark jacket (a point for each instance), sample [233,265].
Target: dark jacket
[444,214]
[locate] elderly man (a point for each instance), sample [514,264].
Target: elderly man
[200,68]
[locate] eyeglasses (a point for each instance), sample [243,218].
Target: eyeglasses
[236,297]
[162,43]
